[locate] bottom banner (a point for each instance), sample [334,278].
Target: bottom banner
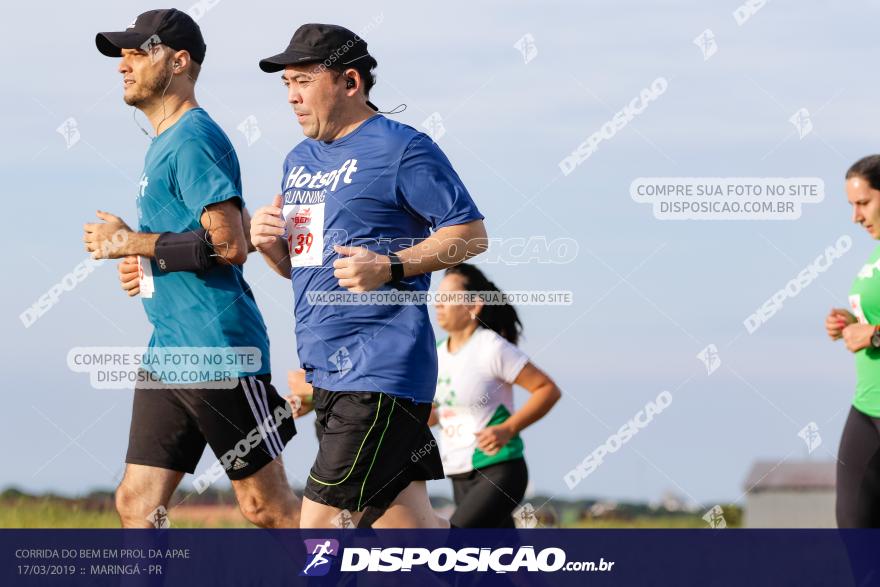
[441,557]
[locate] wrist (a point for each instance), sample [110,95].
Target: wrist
[140,244]
[386,260]
[268,247]
[395,271]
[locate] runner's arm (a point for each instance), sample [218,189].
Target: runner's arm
[224,222]
[359,269]
[446,247]
[543,394]
[246,225]
[434,418]
[301,393]
[113,239]
[266,230]
[277,257]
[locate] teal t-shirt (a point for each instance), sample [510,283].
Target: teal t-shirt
[189,166]
[864,302]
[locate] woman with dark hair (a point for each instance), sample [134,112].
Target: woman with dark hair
[479,363]
[858,461]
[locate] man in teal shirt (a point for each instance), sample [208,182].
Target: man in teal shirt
[185,261]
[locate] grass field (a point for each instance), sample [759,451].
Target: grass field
[643,522]
[48,512]
[218,509]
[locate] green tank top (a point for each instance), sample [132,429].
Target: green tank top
[864,302]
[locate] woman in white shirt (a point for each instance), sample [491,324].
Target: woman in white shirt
[479,363]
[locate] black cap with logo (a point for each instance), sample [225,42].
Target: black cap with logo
[169,27]
[323,43]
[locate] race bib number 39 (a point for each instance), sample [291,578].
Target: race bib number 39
[305,234]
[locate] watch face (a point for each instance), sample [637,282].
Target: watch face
[875,340]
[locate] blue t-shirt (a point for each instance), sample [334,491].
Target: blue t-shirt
[189,166]
[380,186]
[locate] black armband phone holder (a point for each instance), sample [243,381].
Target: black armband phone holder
[185,251]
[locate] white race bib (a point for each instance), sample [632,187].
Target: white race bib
[855,304]
[305,234]
[145,277]
[457,439]
[458,428]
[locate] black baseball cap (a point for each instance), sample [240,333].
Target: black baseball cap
[325,43]
[328,43]
[170,27]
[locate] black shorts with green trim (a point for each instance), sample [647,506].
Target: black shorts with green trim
[371,446]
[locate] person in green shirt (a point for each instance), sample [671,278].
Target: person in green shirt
[858,462]
[479,363]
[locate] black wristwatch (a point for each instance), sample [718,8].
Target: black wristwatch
[396,269]
[875,338]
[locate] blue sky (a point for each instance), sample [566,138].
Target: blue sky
[648,294]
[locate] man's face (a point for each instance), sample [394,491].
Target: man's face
[145,75]
[316,94]
[866,204]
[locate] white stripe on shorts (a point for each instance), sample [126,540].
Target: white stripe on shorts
[257,417]
[273,429]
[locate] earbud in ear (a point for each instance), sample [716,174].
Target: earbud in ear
[349,83]
[177,65]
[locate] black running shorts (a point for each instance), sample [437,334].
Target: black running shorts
[372,445]
[246,426]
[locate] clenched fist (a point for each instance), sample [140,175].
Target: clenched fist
[837,320]
[129,275]
[267,225]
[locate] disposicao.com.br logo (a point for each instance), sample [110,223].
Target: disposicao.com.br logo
[321,552]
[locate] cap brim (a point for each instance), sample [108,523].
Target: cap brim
[282,60]
[111,44]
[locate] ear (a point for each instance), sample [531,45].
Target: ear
[352,73]
[182,60]
[478,307]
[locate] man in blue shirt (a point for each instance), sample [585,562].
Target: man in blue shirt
[185,261]
[367,204]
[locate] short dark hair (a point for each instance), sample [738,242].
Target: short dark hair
[867,168]
[363,66]
[194,69]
